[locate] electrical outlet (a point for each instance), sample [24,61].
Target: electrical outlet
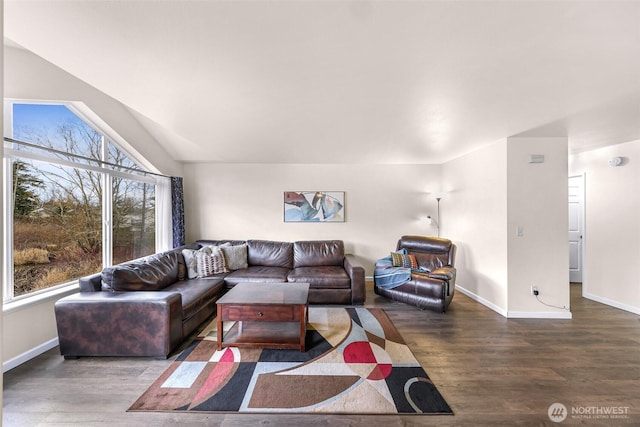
[534,290]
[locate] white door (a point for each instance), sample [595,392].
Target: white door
[576,227]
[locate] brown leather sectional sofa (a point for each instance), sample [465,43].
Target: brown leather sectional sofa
[149,306]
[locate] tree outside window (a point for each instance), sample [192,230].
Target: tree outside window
[58,204]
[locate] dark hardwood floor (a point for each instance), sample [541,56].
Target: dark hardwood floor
[492,371]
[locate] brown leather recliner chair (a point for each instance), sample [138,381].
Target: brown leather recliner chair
[432,285]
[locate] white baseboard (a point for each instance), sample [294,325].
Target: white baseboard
[28,355]
[514,314]
[612,303]
[539,315]
[501,311]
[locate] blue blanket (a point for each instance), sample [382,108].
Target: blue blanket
[386,276]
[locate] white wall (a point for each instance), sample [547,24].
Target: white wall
[27,331]
[537,195]
[612,225]
[245,201]
[474,216]
[490,192]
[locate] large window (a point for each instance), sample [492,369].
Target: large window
[77,200]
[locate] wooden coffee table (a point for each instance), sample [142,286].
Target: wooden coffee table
[269,315]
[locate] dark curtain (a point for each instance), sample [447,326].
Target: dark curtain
[177,211]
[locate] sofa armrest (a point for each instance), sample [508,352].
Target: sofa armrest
[356,274]
[119,324]
[92,283]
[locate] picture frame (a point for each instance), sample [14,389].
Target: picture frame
[314,206]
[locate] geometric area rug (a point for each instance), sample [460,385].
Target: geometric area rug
[355,362]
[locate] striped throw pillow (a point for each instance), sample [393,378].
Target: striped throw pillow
[210,263]
[404,260]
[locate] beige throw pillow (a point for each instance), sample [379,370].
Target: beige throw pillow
[235,256]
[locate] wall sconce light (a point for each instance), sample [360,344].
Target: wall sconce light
[436,221]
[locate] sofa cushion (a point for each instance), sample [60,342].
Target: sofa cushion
[431,252]
[206,242]
[429,262]
[258,273]
[327,277]
[196,293]
[152,273]
[270,254]
[318,253]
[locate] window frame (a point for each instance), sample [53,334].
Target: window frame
[161,183]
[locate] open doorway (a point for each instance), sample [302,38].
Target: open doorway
[576,228]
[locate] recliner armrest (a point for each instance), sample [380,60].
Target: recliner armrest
[443,273]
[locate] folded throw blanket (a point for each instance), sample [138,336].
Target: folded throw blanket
[386,276]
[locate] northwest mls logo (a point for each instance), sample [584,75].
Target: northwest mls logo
[557,412]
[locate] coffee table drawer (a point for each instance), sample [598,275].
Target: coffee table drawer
[264,313]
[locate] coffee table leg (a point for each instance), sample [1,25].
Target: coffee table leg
[219,323]
[303,327]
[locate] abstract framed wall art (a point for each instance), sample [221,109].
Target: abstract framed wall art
[314,206]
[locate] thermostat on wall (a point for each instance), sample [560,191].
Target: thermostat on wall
[536,158]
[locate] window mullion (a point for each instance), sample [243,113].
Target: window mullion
[7,250]
[107,212]
[7,271]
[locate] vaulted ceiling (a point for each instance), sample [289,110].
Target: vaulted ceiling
[349,81]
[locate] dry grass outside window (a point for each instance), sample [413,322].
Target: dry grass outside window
[31,256]
[55,276]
